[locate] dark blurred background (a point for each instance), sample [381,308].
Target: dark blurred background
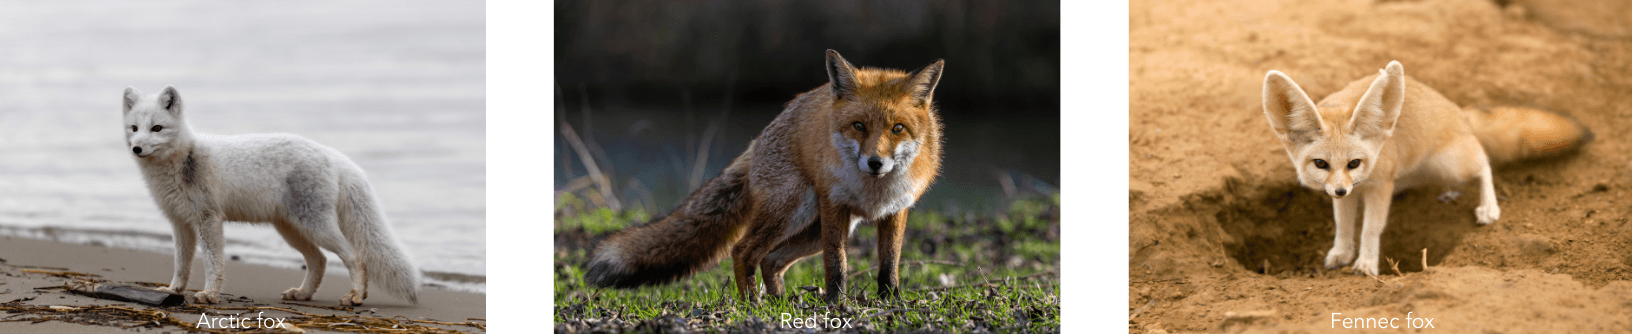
[659,96]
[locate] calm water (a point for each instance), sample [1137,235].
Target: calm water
[399,88]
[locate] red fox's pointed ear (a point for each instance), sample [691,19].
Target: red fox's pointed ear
[1291,113]
[923,83]
[131,96]
[841,74]
[1380,106]
[170,100]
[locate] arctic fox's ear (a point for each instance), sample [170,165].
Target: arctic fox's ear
[1291,113]
[1379,108]
[841,74]
[170,100]
[923,82]
[131,96]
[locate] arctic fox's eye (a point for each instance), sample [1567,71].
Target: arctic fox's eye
[132,128]
[898,128]
[157,128]
[1320,164]
[1354,163]
[859,127]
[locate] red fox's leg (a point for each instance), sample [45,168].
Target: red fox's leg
[835,231]
[1343,247]
[784,255]
[890,232]
[742,262]
[1377,198]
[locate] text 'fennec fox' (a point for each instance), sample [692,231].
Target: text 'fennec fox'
[861,148]
[1386,133]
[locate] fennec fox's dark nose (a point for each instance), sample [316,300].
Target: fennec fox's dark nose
[137,150]
[874,164]
[1342,192]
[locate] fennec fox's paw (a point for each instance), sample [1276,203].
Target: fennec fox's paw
[1366,265]
[1340,255]
[352,298]
[1487,213]
[297,294]
[207,297]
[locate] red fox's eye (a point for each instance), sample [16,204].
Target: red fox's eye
[898,128]
[1320,164]
[1354,163]
[157,128]
[859,127]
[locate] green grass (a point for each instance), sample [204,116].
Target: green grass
[1016,252]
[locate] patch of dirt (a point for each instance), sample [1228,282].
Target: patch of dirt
[1221,234]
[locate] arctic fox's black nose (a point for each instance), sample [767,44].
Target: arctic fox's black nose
[137,150]
[875,164]
[1341,192]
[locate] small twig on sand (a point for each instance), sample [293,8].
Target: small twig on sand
[1142,309]
[1396,266]
[1424,259]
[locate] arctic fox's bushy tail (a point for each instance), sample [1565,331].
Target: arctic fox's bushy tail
[1512,134]
[372,241]
[697,235]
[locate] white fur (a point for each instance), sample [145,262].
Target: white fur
[875,196]
[804,215]
[313,195]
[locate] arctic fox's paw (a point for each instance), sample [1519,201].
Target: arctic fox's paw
[1340,255]
[297,294]
[171,289]
[352,298]
[1366,265]
[1487,213]
[207,297]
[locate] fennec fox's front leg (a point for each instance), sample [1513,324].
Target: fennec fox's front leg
[1377,200]
[1343,247]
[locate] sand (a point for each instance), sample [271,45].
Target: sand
[262,286]
[1222,237]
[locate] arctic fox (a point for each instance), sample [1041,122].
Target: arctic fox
[314,196]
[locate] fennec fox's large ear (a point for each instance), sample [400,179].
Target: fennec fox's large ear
[170,100]
[1377,110]
[841,74]
[1291,113]
[131,96]
[923,82]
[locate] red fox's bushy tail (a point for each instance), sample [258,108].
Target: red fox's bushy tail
[1512,134]
[695,236]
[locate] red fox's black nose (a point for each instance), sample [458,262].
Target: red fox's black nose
[874,164]
[137,150]
[1341,192]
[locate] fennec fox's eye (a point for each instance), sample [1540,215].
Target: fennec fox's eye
[1321,164]
[1354,163]
[157,128]
[898,128]
[859,127]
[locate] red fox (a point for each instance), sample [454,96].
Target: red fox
[861,148]
[1385,133]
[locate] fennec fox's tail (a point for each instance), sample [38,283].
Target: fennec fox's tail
[697,235]
[372,241]
[1511,134]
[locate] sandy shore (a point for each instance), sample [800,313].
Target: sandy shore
[252,290]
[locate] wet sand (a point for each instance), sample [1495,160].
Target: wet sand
[261,285]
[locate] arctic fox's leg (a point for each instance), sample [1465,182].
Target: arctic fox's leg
[315,262]
[186,242]
[215,261]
